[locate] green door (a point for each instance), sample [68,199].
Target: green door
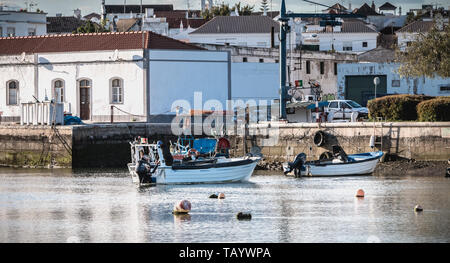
[361,88]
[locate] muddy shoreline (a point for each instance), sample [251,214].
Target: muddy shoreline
[388,167]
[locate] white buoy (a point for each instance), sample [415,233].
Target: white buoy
[372,141]
[182,207]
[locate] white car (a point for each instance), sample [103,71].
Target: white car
[343,109]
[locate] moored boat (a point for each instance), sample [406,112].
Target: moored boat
[153,164]
[339,164]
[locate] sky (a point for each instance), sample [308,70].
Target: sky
[66,7]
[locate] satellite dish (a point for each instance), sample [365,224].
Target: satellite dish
[115,55]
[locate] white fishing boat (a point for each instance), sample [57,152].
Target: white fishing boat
[153,164]
[339,164]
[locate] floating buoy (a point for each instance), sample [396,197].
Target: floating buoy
[213,196]
[418,208]
[360,193]
[221,196]
[243,216]
[182,207]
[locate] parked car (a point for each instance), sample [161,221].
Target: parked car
[343,109]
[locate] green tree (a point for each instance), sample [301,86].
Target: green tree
[264,6]
[221,10]
[90,27]
[243,11]
[428,56]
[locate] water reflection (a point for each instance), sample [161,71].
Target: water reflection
[104,206]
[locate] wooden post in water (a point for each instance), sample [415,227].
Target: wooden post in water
[112,113]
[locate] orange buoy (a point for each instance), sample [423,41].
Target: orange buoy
[360,193]
[221,196]
[418,208]
[182,207]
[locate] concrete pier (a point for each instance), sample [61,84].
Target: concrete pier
[107,145]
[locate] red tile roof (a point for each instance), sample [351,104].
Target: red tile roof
[90,42]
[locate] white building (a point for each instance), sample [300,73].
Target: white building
[21,23]
[248,31]
[409,33]
[355,80]
[352,37]
[94,72]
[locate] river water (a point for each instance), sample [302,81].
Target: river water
[105,206]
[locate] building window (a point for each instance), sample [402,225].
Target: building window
[12,92]
[335,68]
[244,59]
[11,32]
[308,67]
[444,89]
[261,60]
[116,91]
[395,83]
[347,46]
[58,90]
[322,67]
[364,44]
[31,31]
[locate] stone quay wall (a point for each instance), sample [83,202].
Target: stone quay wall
[107,145]
[35,146]
[410,140]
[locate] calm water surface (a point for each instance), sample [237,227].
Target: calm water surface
[97,206]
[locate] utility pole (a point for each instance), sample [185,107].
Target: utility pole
[283,28]
[328,19]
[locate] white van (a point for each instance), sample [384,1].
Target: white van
[343,109]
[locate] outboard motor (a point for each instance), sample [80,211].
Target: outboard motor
[296,165]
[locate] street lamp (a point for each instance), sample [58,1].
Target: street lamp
[376,81]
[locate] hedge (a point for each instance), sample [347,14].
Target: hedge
[396,107]
[437,109]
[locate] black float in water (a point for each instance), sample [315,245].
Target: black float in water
[213,196]
[243,216]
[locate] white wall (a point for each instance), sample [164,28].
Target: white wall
[421,85]
[259,81]
[338,39]
[22,21]
[98,66]
[248,40]
[404,37]
[176,75]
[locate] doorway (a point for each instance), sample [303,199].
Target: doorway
[85,99]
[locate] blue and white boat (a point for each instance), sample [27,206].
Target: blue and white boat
[154,164]
[339,164]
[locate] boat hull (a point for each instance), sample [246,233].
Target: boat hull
[360,167]
[227,174]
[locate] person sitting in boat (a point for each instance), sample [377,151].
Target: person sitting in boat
[168,158]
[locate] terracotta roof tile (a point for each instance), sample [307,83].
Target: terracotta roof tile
[238,24]
[417,26]
[89,42]
[119,9]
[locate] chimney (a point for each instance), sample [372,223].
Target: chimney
[77,13]
[103,10]
[350,7]
[373,6]
[149,12]
[399,10]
